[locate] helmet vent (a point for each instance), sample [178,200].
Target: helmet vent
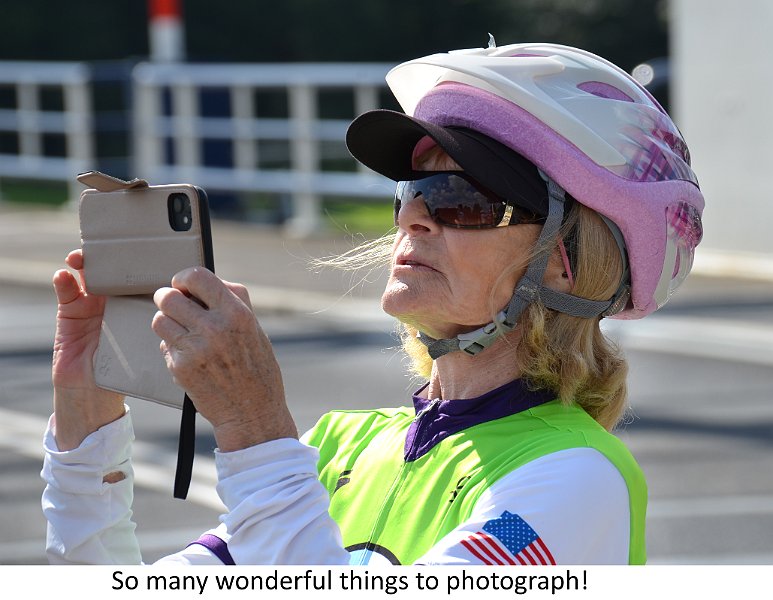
[604,90]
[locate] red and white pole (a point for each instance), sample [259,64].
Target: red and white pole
[167,30]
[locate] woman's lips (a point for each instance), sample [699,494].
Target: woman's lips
[410,263]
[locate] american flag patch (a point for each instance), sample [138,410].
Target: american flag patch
[508,540]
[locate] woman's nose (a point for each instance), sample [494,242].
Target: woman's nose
[414,216]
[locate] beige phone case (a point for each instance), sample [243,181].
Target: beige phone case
[129,247]
[130,250]
[128,359]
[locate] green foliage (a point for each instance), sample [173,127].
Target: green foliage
[625,31]
[39,193]
[366,217]
[73,30]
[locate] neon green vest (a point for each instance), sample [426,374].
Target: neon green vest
[401,509]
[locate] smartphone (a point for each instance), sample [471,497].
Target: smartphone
[134,239]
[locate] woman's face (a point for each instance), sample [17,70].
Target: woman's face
[442,279]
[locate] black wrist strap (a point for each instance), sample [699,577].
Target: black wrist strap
[186,449]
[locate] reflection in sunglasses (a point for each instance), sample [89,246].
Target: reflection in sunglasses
[456,200]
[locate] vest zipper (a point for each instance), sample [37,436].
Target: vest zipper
[397,481]
[420,417]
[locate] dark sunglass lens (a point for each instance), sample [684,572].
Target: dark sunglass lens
[398,199]
[452,200]
[462,215]
[462,205]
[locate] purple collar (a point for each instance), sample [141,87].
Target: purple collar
[438,419]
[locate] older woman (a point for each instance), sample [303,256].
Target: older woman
[540,189]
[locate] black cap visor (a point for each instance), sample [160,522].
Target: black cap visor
[384,140]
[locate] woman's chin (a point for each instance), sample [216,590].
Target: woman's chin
[398,299]
[411,309]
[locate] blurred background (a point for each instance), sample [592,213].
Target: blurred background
[251,97]
[250,100]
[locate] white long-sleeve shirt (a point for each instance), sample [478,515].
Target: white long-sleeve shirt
[277,509]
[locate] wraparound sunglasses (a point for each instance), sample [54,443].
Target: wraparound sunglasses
[456,200]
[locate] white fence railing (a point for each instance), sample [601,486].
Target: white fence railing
[30,122]
[170,127]
[183,125]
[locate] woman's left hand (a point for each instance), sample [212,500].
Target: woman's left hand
[216,350]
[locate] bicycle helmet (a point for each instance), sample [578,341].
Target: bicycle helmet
[592,131]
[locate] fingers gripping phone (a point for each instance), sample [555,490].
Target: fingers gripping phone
[135,237]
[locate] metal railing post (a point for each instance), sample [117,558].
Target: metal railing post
[78,131]
[28,109]
[187,145]
[148,140]
[243,111]
[304,157]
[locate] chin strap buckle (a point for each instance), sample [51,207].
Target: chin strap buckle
[475,341]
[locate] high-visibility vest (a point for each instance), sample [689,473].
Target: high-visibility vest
[400,509]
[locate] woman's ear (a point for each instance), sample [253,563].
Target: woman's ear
[557,277]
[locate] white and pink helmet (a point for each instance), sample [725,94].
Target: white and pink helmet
[590,128]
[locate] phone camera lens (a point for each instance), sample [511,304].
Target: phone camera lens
[180,216]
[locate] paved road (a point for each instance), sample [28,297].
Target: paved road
[701,386]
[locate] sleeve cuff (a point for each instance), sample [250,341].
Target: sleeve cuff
[81,469]
[264,465]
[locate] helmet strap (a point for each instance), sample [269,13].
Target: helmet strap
[529,289]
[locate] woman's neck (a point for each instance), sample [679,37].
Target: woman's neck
[460,376]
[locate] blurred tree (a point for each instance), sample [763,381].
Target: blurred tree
[75,30]
[335,30]
[625,31]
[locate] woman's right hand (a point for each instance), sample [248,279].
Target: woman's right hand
[80,407]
